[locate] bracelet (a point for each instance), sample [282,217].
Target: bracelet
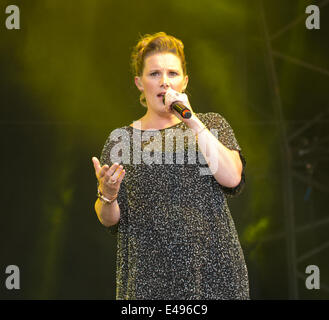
[104,199]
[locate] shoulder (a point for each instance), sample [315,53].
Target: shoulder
[115,135]
[212,119]
[120,131]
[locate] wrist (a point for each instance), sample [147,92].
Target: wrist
[104,199]
[196,125]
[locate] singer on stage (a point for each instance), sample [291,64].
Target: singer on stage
[176,238]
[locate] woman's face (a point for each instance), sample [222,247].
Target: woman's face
[161,72]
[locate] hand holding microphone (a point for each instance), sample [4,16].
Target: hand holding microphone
[178,102]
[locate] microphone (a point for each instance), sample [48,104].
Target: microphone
[180,108]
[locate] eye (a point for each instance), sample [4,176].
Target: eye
[155,73]
[173,73]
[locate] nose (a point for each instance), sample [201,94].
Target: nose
[164,81]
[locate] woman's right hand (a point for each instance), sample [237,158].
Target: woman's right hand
[109,179]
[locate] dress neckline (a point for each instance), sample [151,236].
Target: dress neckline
[156,129]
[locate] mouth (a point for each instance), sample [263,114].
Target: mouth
[161,96]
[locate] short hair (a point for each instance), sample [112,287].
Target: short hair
[155,43]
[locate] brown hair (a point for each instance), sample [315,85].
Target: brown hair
[155,43]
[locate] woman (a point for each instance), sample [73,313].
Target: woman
[176,237]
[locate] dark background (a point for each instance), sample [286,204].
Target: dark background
[65,83]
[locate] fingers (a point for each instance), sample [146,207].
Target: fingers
[118,176]
[99,171]
[121,175]
[185,99]
[172,96]
[96,163]
[112,175]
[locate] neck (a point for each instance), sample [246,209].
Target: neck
[153,120]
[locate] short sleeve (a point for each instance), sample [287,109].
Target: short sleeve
[122,198]
[227,138]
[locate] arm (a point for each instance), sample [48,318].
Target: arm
[108,214]
[225,164]
[109,181]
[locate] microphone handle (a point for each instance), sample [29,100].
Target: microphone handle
[181,109]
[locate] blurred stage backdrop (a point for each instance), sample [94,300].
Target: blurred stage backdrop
[65,83]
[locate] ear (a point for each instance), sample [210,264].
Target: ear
[139,84]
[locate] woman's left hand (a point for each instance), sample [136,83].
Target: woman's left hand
[173,96]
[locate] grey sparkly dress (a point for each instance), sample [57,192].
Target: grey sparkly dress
[176,238]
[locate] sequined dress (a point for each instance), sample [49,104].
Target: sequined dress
[176,238]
